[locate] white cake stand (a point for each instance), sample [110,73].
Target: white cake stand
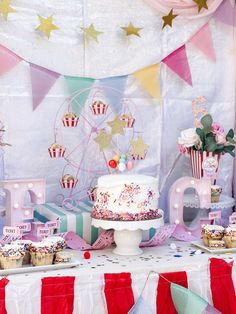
[128,234]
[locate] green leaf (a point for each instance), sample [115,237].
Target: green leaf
[230,147]
[207,121]
[230,134]
[229,151]
[230,140]
[210,144]
[201,134]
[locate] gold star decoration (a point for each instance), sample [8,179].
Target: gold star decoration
[103,140]
[132,30]
[91,33]
[168,19]
[117,126]
[46,25]
[5,8]
[201,4]
[139,148]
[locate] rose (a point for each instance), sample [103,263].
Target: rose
[217,129]
[220,139]
[189,138]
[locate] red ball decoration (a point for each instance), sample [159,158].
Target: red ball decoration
[112,163]
[87,255]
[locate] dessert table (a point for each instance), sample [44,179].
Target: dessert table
[99,284]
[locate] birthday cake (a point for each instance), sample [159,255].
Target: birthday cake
[126,198]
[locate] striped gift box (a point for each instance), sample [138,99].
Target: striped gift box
[78,220]
[197,163]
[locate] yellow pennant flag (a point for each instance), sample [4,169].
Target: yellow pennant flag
[149,77]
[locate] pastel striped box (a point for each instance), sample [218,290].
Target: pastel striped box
[78,220]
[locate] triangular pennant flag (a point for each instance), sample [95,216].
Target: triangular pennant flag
[140,307]
[186,301]
[41,81]
[114,88]
[149,78]
[177,61]
[8,60]
[225,13]
[203,41]
[79,88]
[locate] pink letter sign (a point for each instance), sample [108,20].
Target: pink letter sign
[176,199]
[15,193]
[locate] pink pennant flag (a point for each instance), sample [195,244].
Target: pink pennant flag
[41,80]
[203,41]
[8,60]
[177,61]
[225,13]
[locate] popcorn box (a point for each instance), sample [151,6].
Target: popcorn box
[78,220]
[56,152]
[98,107]
[70,122]
[68,184]
[129,121]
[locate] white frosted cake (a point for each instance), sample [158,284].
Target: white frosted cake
[126,198]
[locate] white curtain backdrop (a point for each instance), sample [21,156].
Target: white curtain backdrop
[30,133]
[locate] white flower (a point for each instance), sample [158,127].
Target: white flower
[189,138]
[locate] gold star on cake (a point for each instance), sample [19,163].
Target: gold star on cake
[139,147]
[201,4]
[168,19]
[132,30]
[91,33]
[117,126]
[46,25]
[103,140]
[5,8]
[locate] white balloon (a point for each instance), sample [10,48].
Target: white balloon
[121,167]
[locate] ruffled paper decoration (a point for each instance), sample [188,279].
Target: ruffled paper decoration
[186,8]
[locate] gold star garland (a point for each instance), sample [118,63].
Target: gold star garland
[168,19]
[132,30]
[91,33]
[5,8]
[46,25]
[201,4]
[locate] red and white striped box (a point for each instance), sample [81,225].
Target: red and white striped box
[98,108]
[92,194]
[70,122]
[56,152]
[129,121]
[68,184]
[200,163]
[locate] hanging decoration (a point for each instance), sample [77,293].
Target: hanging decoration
[185,8]
[5,8]
[138,148]
[103,140]
[177,61]
[132,30]
[202,4]
[168,19]
[149,78]
[8,60]
[76,84]
[41,80]
[117,126]
[226,13]
[46,26]
[203,41]
[90,33]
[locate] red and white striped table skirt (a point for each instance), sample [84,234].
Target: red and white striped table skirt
[115,293]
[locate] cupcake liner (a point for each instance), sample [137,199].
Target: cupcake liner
[68,184]
[70,122]
[41,259]
[215,198]
[99,108]
[56,152]
[10,262]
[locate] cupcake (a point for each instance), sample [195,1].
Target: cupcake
[230,236]
[56,150]
[59,243]
[26,244]
[41,253]
[68,181]
[11,256]
[62,257]
[212,232]
[70,120]
[216,191]
[216,244]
